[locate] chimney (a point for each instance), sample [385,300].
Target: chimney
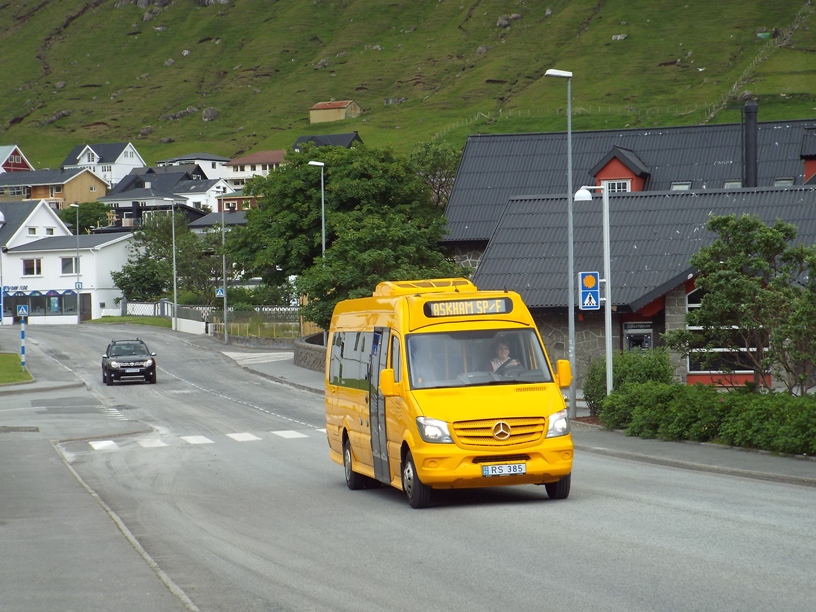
[751,147]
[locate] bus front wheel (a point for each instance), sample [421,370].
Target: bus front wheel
[354,481]
[559,489]
[419,495]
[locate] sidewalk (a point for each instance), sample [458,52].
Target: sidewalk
[714,458]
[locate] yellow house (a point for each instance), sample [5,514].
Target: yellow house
[336,110]
[58,187]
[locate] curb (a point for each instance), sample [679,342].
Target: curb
[33,387]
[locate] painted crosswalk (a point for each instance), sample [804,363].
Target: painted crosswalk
[155,441]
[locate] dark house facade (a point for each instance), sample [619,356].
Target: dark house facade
[507,218]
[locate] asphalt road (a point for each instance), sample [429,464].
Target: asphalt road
[213,490]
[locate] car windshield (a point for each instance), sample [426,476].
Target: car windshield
[128,350]
[472,358]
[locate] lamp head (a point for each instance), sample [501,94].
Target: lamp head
[561,74]
[316,163]
[583,195]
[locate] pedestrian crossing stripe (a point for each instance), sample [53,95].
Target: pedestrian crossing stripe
[110,445]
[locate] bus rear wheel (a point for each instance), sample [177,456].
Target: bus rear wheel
[560,489]
[419,494]
[354,481]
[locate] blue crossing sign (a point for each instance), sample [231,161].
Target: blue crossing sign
[589,285]
[219,292]
[22,310]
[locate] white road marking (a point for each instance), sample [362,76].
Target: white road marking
[289,434]
[103,445]
[151,443]
[243,437]
[196,439]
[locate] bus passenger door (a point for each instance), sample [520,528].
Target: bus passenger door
[376,405]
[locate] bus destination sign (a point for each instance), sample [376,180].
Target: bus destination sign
[464,308]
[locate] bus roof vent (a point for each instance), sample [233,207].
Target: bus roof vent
[435,285]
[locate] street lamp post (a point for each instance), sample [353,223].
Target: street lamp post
[77,286]
[224,273]
[583,195]
[175,282]
[322,206]
[322,218]
[564,74]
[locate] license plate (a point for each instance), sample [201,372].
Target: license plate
[504,469]
[131,370]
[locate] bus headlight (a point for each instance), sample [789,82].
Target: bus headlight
[433,430]
[559,424]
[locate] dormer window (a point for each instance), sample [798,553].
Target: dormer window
[681,185]
[618,186]
[732,185]
[783,181]
[90,157]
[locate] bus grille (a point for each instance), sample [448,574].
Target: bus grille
[480,433]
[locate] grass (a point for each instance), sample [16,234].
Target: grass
[257,64]
[153,321]
[11,370]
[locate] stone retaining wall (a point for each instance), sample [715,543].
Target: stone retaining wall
[310,352]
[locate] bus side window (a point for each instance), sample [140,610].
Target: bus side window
[396,361]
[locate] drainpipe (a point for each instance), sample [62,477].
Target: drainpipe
[751,147]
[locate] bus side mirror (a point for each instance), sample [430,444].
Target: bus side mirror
[387,385]
[564,373]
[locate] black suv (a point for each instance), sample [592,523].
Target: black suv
[128,358]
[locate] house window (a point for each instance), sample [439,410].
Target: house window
[18,159]
[617,186]
[92,187]
[57,188]
[32,267]
[107,168]
[681,185]
[32,231]
[68,265]
[212,165]
[785,181]
[90,158]
[49,231]
[732,185]
[243,168]
[15,190]
[265,167]
[711,360]
[252,167]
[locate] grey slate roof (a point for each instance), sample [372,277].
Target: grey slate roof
[15,214]
[136,194]
[107,153]
[328,140]
[62,243]
[231,218]
[193,157]
[653,235]
[495,168]
[39,177]
[162,181]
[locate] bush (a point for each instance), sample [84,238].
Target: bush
[627,367]
[774,422]
[617,410]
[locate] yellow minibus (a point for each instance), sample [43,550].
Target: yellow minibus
[433,384]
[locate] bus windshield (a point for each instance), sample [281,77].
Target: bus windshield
[473,358]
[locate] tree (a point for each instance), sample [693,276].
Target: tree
[91,214]
[754,303]
[383,222]
[368,250]
[437,164]
[148,275]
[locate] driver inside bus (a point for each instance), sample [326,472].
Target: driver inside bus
[502,359]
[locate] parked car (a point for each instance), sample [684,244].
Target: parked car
[128,359]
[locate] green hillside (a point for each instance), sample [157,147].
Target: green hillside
[82,71]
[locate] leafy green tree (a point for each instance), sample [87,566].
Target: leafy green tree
[368,250]
[91,215]
[436,164]
[148,274]
[753,293]
[383,222]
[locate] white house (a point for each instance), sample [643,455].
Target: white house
[211,165]
[241,169]
[39,271]
[110,161]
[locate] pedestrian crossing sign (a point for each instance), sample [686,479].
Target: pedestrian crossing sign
[589,284]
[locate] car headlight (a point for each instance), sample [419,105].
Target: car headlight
[433,430]
[148,363]
[559,424]
[115,365]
